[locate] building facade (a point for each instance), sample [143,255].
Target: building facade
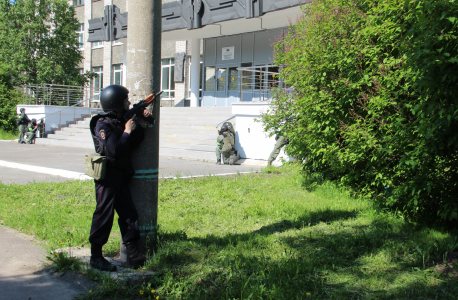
[214,52]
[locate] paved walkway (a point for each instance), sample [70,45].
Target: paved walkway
[22,275]
[21,259]
[21,164]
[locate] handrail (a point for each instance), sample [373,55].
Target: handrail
[74,111]
[77,103]
[224,121]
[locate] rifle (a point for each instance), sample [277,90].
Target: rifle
[139,107]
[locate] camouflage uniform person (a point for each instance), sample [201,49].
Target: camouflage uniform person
[30,134]
[281,142]
[22,122]
[219,151]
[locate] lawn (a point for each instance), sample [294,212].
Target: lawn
[8,135]
[258,236]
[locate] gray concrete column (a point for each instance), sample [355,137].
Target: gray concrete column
[87,50]
[107,54]
[195,71]
[143,77]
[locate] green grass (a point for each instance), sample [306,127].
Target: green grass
[8,135]
[259,236]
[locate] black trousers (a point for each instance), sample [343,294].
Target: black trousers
[112,193]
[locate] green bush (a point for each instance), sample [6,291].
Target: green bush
[9,98]
[371,102]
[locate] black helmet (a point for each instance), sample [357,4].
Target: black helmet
[22,109]
[34,121]
[112,97]
[224,128]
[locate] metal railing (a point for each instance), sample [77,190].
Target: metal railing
[225,121]
[60,95]
[259,80]
[83,103]
[74,110]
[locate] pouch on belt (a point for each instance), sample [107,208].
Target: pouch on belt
[96,165]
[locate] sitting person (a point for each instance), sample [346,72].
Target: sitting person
[32,129]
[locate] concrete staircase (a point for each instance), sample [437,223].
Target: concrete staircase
[185,132]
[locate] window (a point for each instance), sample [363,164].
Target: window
[272,77]
[259,80]
[97,82]
[209,79]
[80,33]
[247,76]
[117,74]
[233,79]
[200,78]
[78,2]
[167,82]
[97,45]
[222,77]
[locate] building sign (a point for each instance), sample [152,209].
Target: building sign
[228,53]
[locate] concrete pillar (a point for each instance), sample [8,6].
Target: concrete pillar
[87,49]
[144,77]
[107,53]
[195,72]
[107,66]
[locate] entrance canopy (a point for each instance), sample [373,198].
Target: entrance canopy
[271,20]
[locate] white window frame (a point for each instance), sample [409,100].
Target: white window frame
[96,45]
[78,2]
[97,81]
[120,71]
[80,33]
[169,93]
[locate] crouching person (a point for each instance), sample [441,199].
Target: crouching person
[226,146]
[31,132]
[226,153]
[115,138]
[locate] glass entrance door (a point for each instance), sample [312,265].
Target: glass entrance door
[221,86]
[233,93]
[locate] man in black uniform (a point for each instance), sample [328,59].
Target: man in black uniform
[115,138]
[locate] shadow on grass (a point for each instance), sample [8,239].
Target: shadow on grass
[357,262]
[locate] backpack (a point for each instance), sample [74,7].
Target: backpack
[227,145]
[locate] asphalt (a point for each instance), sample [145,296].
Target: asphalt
[23,268]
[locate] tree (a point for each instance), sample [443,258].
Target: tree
[371,100]
[38,41]
[9,98]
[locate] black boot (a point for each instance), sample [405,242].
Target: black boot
[135,259]
[218,162]
[98,261]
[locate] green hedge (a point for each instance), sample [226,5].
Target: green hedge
[372,102]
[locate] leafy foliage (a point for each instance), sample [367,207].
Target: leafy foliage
[371,102]
[9,98]
[38,40]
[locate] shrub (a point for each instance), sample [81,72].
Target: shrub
[371,103]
